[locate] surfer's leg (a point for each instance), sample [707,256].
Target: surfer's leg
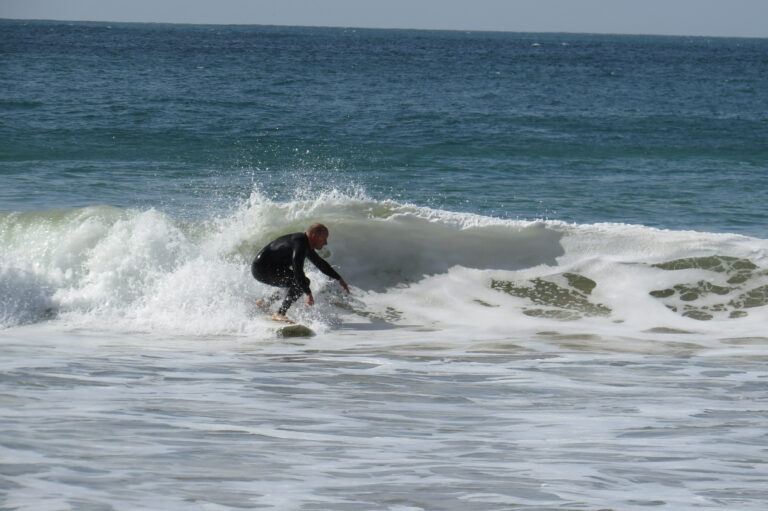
[272,278]
[265,304]
[274,297]
[294,293]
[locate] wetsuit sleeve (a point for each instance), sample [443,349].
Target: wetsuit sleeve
[322,265]
[299,254]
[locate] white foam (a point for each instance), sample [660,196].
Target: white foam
[409,266]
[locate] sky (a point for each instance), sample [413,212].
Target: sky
[734,18]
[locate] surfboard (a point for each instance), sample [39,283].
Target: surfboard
[284,329]
[295,330]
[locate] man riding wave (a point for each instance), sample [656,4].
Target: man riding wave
[281,264]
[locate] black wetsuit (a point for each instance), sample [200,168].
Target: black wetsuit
[281,264]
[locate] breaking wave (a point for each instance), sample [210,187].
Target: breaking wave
[146,271]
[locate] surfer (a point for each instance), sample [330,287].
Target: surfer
[281,264]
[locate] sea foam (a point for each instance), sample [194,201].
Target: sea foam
[410,267]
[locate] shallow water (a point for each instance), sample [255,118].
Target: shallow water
[547,421]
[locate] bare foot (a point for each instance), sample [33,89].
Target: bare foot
[281,317]
[261,304]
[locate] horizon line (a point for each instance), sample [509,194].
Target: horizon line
[351,27]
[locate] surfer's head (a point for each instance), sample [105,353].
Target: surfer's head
[318,236]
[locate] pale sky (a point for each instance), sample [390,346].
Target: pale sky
[741,18]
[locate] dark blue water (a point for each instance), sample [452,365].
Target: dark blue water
[662,131]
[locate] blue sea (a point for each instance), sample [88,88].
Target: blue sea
[556,244]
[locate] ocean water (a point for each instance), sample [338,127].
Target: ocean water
[556,244]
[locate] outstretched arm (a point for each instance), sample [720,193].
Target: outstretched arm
[322,265]
[326,268]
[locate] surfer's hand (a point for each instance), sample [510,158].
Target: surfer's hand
[310,300]
[344,285]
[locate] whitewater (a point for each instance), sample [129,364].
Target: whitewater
[412,267]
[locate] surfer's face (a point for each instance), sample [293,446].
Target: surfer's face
[318,240]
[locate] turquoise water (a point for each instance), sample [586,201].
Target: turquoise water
[659,131]
[556,246]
